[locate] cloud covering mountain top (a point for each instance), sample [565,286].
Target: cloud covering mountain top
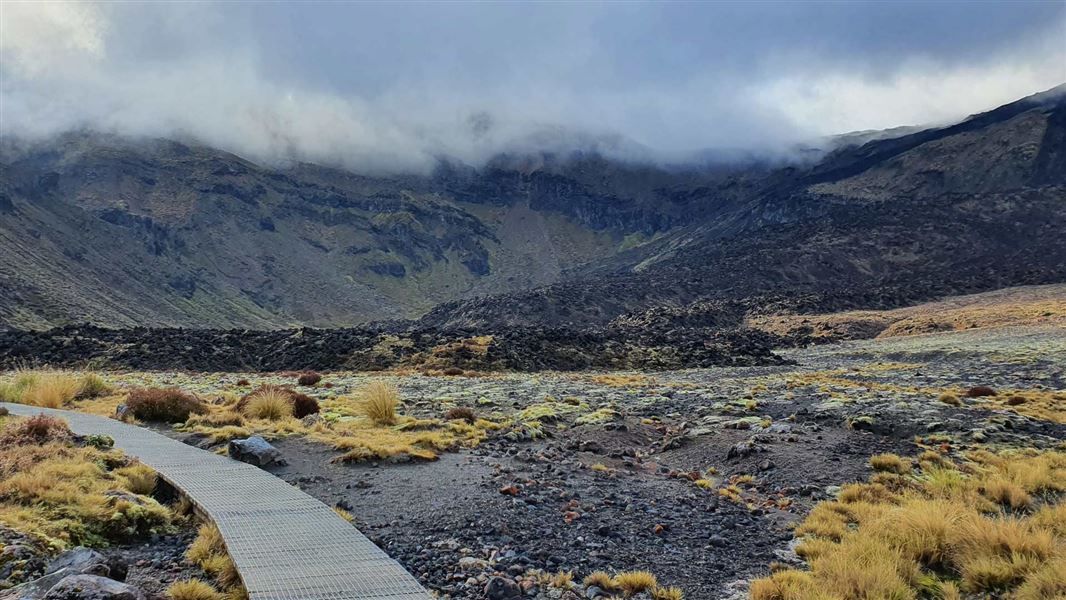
[390,87]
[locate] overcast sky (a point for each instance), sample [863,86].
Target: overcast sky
[391,86]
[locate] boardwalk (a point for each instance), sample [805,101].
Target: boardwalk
[286,544]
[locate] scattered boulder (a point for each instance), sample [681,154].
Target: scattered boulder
[92,587]
[501,588]
[254,451]
[88,562]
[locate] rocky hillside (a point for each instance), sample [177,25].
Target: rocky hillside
[972,207]
[127,232]
[122,232]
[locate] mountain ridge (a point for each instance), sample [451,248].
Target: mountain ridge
[122,232]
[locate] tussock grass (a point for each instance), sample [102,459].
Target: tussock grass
[271,404]
[193,589]
[891,463]
[208,551]
[68,495]
[600,579]
[667,593]
[52,388]
[379,402]
[991,526]
[138,478]
[634,582]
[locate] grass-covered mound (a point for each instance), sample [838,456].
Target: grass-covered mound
[992,525]
[70,492]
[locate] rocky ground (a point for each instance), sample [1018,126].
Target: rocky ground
[695,475]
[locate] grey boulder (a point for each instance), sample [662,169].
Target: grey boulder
[255,451]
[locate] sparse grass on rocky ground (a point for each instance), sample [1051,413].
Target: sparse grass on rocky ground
[991,525]
[698,476]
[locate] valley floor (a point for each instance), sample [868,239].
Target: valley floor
[698,476]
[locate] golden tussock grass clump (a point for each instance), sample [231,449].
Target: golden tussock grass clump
[138,478]
[600,579]
[890,463]
[634,582]
[271,404]
[193,589]
[380,400]
[208,551]
[52,388]
[995,524]
[667,593]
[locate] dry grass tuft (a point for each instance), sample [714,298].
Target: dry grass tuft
[634,582]
[379,402]
[69,495]
[890,463]
[939,533]
[600,579]
[138,478]
[208,551]
[52,389]
[667,593]
[271,404]
[193,589]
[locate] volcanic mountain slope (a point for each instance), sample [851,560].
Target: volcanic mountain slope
[127,232]
[976,206]
[123,232]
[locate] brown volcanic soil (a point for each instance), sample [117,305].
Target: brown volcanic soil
[1026,305]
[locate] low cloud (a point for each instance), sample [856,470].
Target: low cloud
[376,87]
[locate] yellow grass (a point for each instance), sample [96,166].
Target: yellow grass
[52,388]
[634,582]
[379,402]
[271,404]
[208,551]
[59,493]
[943,532]
[193,589]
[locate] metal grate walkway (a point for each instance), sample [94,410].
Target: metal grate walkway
[286,544]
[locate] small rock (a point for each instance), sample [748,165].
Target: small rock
[255,451]
[500,588]
[92,587]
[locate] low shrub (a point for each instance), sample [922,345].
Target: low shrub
[38,430]
[309,378]
[169,405]
[304,405]
[461,413]
[980,390]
